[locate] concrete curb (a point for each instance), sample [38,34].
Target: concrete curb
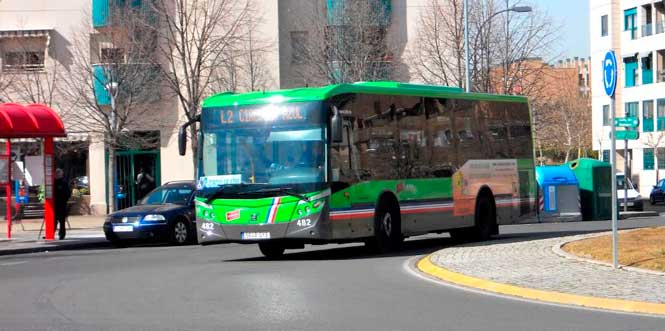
[557,249]
[426,266]
[48,247]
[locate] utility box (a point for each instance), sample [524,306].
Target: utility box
[595,182]
[559,199]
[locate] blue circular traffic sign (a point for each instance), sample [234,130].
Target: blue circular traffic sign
[610,69]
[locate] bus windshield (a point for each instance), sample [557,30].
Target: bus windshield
[274,151]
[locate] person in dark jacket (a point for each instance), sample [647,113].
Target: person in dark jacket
[61,194]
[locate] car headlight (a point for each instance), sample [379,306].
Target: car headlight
[154,218]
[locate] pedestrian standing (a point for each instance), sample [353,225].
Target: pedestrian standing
[61,194]
[144,182]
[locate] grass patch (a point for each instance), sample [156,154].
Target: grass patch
[642,248]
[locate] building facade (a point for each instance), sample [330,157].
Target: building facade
[635,30]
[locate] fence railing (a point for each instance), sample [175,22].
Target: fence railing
[647,30]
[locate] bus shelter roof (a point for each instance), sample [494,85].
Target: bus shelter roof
[31,121]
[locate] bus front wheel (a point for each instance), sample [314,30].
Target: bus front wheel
[387,230]
[271,250]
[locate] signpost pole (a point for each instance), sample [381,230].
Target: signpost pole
[610,77]
[615,211]
[625,175]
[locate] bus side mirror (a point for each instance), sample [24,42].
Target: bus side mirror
[182,140]
[182,135]
[336,126]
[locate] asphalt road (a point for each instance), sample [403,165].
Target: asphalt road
[231,287]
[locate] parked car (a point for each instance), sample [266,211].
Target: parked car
[657,193]
[634,200]
[166,213]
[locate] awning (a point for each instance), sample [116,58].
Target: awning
[35,33]
[33,121]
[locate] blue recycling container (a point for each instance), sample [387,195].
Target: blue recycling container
[559,194]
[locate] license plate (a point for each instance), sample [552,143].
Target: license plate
[123,228]
[630,204]
[255,235]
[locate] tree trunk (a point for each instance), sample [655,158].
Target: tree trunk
[110,178]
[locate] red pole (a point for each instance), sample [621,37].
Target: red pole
[8,188]
[49,212]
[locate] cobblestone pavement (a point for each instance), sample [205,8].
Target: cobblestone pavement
[534,264]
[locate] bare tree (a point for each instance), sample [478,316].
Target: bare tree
[655,140]
[500,46]
[195,38]
[564,114]
[244,67]
[347,42]
[112,90]
[35,86]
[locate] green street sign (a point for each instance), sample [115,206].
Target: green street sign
[626,135]
[626,122]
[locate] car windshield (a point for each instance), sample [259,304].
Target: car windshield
[171,194]
[622,183]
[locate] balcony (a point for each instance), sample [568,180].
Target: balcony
[143,81]
[660,27]
[103,11]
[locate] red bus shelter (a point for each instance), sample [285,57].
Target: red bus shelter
[31,121]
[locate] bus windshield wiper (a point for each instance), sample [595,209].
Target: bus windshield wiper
[283,190]
[222,190]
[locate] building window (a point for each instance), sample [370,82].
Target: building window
[629,22]
[647,116]
[632,110]
[606,115]
[631,71]
[23,61]
[603,26]
[661,158]
[112,55]
[660,112]
[647,70]
[606,155]
[298,47]
[647,159]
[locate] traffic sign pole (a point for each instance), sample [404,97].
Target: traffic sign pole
[610,76]
[625,175]
[615,211]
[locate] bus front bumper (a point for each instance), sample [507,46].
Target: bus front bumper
[309,230]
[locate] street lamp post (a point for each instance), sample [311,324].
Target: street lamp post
[112,89]
[517,9]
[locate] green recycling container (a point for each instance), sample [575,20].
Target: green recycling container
[594,178]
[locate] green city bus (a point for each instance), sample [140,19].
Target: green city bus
[373,162]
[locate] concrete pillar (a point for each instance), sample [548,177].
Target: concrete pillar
[96,157]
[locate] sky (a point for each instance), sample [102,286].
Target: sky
[573,17]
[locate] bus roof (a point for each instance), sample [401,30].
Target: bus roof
[322,93]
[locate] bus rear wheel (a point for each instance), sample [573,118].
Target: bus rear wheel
[271,250]
[485,219]
[485,222]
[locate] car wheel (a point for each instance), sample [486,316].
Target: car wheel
[180,232]
[271,250]
[115,241]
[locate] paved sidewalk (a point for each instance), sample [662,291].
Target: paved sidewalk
[85,232]
[534,264]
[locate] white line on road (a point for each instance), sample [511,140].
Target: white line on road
[6,264]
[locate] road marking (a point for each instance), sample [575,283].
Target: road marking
[427,267]
[6,264]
